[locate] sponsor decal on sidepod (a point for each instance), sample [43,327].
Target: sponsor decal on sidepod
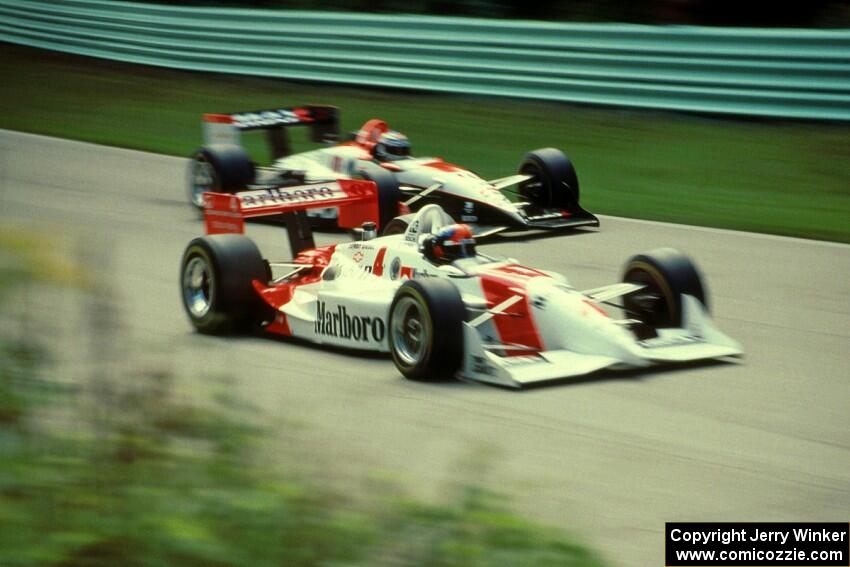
[338,323]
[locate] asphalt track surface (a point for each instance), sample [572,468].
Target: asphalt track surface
[610,458]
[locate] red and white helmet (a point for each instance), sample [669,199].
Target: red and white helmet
[451,243]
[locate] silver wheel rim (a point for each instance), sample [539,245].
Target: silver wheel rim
[198,287]
[201,180]
[410,334]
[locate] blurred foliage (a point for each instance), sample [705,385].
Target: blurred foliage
[771,176]
[122,471]
[27,256]
[832,13]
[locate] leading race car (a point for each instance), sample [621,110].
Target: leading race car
[441,308]
[546,181]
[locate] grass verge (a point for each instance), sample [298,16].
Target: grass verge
[777,177]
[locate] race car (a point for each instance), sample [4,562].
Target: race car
[545,184]
[439,306]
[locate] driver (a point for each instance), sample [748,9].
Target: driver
[391,146]
[450,243]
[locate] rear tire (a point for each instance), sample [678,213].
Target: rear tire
[222,168]
[555,182]
[426,330]
[667,274]
[216,283]
[389,194]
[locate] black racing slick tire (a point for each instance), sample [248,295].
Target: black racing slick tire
[666,274]
[426,329]
[222,168]
[389,194]
[216,283]
[554,182]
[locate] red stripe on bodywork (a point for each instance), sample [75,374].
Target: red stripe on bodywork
[303,114]
[280,326]
[378,266]
[280,294]
[319,257]
[441,165]
[596,308]
[218,118]
[517,325]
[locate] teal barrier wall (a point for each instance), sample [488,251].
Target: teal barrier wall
[758,72]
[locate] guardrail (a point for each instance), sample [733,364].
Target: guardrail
[757,72]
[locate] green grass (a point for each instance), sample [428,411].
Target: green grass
[786,178]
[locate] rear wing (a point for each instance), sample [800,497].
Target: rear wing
[323,122]
[357,201]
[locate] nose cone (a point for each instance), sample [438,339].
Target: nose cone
[467,185]
[569,320]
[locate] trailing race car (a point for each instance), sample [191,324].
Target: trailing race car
[546,182]
[428,297]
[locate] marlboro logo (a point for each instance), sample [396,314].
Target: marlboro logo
[339,323]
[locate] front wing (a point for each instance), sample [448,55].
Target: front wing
[698,339]
[562,219]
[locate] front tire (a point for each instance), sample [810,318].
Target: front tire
[426,330]
[221,168]
[216,283]
[554,183]
[666,274]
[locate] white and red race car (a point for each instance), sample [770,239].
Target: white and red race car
[546,184]
[440,315]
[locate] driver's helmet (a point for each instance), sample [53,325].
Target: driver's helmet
[391,146]
[451,243]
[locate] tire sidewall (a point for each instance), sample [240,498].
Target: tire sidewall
[416,295]
[442,306]
[673,274]
[235,262]
[231,168]
[553,169]
[215,182]
[214,320]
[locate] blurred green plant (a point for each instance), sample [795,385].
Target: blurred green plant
[122,471]
[25,258]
